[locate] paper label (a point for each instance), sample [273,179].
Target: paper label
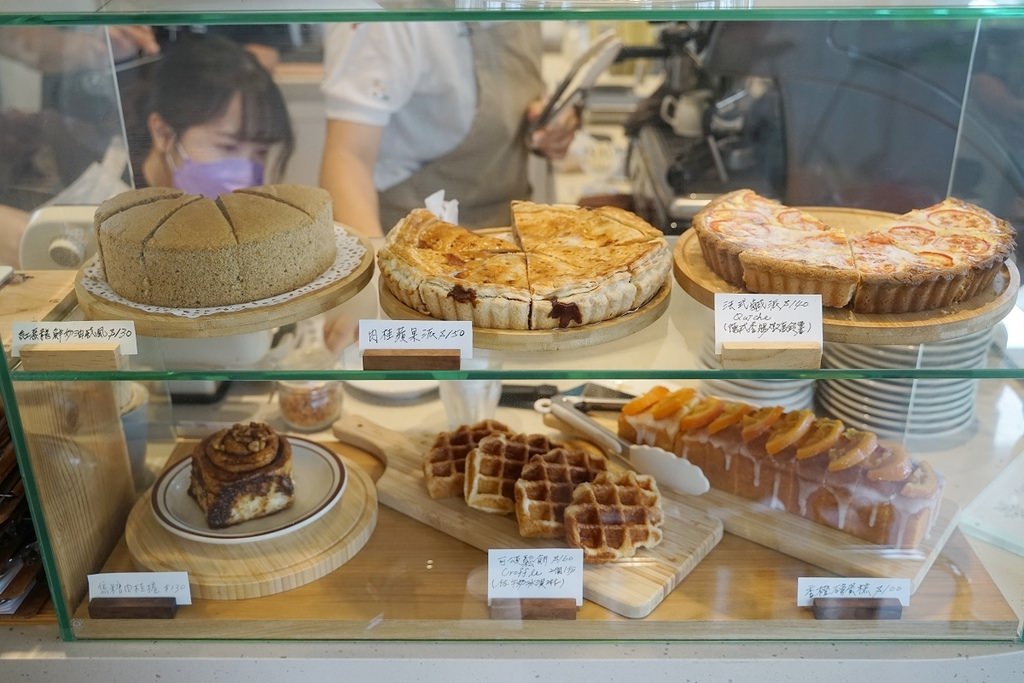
[417,334]
[141,585]
[767,318]
[76,332]
[810,588]
[535,573]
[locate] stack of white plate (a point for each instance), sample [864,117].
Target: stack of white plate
[791,394]
[919,407]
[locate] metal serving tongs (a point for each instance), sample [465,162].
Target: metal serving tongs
[670,471]
[582,75]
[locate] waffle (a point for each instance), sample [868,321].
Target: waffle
[493,467]
[545,487]
[444,466]
[614,515]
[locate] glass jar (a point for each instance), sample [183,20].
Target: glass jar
[309,405]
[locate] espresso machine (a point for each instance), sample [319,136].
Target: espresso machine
[863,114]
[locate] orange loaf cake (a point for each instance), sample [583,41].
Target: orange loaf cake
[810,466]
[162,247]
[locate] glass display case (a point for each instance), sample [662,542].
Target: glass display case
[850,109]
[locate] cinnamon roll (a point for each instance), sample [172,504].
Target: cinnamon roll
[240,473]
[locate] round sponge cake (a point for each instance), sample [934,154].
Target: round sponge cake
[162,247]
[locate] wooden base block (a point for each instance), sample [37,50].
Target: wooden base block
[771,355]
[533,608]
[857,608]
[133,608]
[411,359]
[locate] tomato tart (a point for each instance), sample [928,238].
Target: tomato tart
[922,260]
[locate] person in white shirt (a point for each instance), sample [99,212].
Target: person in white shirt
[417,107]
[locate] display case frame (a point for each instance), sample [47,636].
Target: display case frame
[672,357]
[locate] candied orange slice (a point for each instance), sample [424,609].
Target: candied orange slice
[731,414]
[923,483]
[859,445]
[645,401]
[887,464]
[788,430]
[822,436]
[702,414]
[759,422]
[673,403]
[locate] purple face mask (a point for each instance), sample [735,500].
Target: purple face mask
[212,178]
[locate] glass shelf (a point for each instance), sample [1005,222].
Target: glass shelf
[264,11]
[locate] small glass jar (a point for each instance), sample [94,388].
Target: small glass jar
[309,405]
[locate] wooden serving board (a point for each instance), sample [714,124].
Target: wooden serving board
[843,325]
[35,295]
[631,588]
[822,546]
[235,322]
[259,568]
[545,340]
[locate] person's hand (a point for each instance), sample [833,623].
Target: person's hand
[553,140]
[132,41]
[339,332]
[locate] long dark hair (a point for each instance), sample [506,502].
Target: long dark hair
[194,82]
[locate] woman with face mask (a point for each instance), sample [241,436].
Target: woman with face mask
[215,121]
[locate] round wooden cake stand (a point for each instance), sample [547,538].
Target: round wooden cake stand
[843,325]
[259,568]
[545,340]
[236,322]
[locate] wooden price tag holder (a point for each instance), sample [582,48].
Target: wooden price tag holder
[133,608]
[412,359]
[533,608]
[771,355]
[89,357]
[857,608]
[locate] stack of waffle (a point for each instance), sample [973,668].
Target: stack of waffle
[501,472]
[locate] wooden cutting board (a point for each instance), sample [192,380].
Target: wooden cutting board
[259,568]
[631,588]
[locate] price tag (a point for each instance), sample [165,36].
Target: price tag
[76,332]
[753,318]
[809,589]
[141,585]
[535,573]
[406,335]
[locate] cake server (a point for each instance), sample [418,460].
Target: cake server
[669,470]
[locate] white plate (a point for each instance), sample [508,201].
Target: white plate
[859,419]
[319,477]
[968,359]
[757,393]
[393,389]
[918,415]
[885,402]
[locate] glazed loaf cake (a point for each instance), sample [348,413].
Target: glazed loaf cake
[813,467]
[163,247]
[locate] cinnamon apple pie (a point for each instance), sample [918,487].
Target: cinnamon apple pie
[560,266]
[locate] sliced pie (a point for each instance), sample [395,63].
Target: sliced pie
[563,266]
[925,259]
